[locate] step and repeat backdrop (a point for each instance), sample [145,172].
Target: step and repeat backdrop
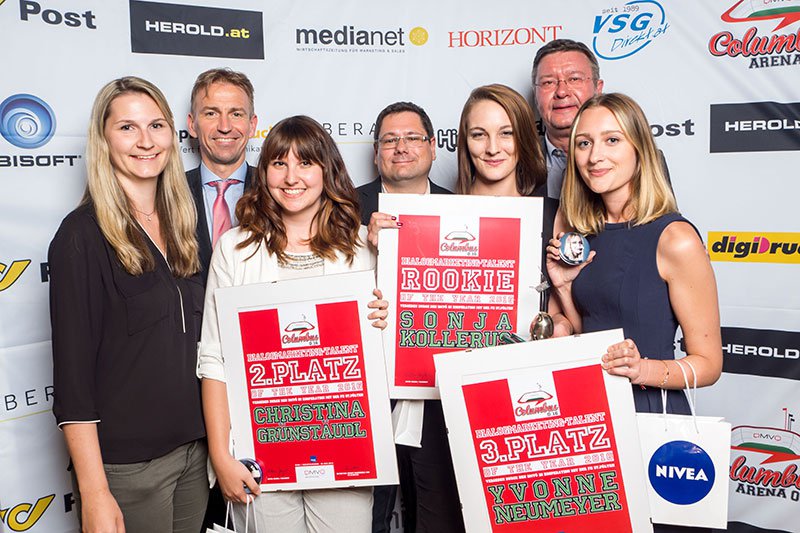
[718,80]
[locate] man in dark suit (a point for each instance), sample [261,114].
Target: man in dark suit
[565,74]
[405,149]
[222,119]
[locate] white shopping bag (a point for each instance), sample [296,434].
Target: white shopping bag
[687,459]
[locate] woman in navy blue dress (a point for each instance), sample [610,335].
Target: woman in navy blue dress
[648,271]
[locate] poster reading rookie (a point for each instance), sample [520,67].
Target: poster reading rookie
[307,383]
[457,280]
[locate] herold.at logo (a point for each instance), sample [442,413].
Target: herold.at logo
[752,247]
[187,30]
[776,50]
[623,30]
[755,127]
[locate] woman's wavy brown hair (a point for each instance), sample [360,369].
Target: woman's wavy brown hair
[338,220]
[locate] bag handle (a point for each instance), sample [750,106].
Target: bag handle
[246,515]
[690,392]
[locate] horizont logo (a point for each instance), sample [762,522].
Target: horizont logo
[26,121]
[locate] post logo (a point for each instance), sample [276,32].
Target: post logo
[459,236]
[26,121]
[9,274]
[298,323]
[54,17]
[24,516]
[622,31]
[751,247]
[188,30]
[681,472]
[762,50]
[533,397]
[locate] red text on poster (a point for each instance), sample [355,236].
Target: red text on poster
[547,453]
[307,392]
[458,288]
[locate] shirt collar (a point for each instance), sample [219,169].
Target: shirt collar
[206,176]
[550,147]
[427,187]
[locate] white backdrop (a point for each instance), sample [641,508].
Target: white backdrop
[663,53]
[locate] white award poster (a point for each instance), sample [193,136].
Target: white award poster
[459,272]
[543,439]
[307,382]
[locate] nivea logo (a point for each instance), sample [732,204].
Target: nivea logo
[620,32]
[681,472]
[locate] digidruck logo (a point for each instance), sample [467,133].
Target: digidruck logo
[681,472]
[754,247]
[26,121]
[621,31]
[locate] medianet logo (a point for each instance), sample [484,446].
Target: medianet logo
[349,38]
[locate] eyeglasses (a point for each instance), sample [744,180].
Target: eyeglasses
[414,141]
[551,84]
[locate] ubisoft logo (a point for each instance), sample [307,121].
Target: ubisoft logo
[26,121]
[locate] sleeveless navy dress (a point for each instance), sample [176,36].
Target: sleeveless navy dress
[621,288]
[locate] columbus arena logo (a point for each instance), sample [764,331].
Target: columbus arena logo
[300,332]
[459,236]
[779,49]
[750,247]
[536,403]
[533,396]
[755,451]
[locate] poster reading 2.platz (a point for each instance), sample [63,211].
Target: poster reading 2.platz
[459,272]
[307,383]
[543,439]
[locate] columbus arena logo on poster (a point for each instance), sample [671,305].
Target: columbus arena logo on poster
[533,396]
[764,460]
[298,323]
[459,236]
[779,48]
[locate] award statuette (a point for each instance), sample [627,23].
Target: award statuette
[542,325]
[574,248]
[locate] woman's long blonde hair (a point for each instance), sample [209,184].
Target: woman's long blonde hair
[174,204]
[651,194]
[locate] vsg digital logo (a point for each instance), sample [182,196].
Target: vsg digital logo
[23,516]
[621,31]
[681,472]
[28,122]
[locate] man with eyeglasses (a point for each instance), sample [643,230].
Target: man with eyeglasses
[565,74]
[404,150]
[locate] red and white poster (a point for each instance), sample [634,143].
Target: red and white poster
[306,382]
[543,439]
[456,280]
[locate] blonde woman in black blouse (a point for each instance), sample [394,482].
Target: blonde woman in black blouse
[126,304]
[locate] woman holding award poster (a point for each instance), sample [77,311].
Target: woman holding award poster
[125,306]
[300,218]
[650,272]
